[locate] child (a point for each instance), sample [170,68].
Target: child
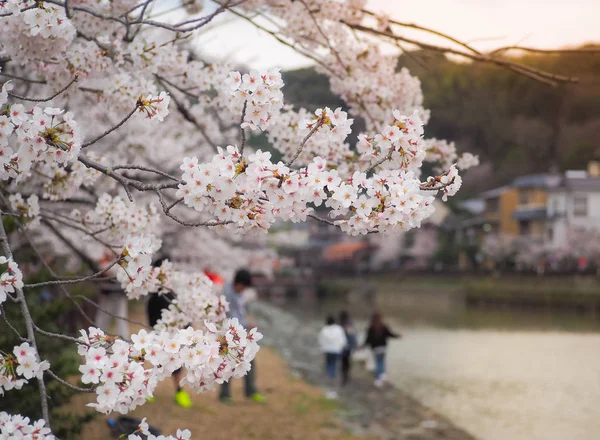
[377,337]
[332,341]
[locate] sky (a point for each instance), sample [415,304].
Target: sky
[486,24]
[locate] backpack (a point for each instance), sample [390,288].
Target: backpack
[352,341]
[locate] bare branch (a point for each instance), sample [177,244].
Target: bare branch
[24,98]
[166,209]
[190,118]
[145,168]
[15,331]
[58,336]
[113,128]
[425,29]
[95,304]
[582,51]
[74,280]
[300,50]
[90,263]
[172,205]
[67,384]
[34,81]
[539,75]
[322,220]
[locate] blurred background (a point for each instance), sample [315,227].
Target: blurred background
[498,294]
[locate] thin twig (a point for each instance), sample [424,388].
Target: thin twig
[58,336]
[67,384]
[95,304]
[34,81]
[15,331]
[190,118]
[318,123]
[166,209]
[25,98]
[74,280]
[322,220]
[582,51]
[145,168]
[539,75]
[242,131]
[113,128]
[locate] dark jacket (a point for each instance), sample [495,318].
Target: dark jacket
[156,304]
[379,339]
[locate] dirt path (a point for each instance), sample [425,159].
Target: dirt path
[294,410]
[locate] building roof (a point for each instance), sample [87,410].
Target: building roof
[493,193]
[537,181]
[530,214]
[585,184]
[343,251]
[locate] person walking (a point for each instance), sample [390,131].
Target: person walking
[234,293]
[351,344]
[332,341]
[377,338]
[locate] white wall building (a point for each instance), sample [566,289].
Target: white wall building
[573,203]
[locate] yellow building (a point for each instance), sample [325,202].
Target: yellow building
[520,208]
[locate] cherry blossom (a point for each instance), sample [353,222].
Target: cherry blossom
[11,278]
[18,368]
[16,426]
[119,143]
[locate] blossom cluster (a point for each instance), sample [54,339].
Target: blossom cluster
[261,95]
[252,193]
[36,32]
[114,218]
[331,128]
[44,135]
[444,153]
[11,278]
[136,263]
[195,302]
[19,427]
[29,210]
[144,429]
[117,368]
[17,369]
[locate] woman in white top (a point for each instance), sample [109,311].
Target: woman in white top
[332,340]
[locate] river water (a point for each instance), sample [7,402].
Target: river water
[504,385]
[501,374]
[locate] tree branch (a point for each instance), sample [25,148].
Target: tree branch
[67,384]
[24,98]
[74,280]
[113,128]
[318,123]
[29,326]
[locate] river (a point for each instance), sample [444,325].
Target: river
[504,385]
[498,374]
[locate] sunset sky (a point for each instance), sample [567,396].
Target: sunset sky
[487,24]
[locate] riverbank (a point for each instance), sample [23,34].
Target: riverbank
[364,410]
